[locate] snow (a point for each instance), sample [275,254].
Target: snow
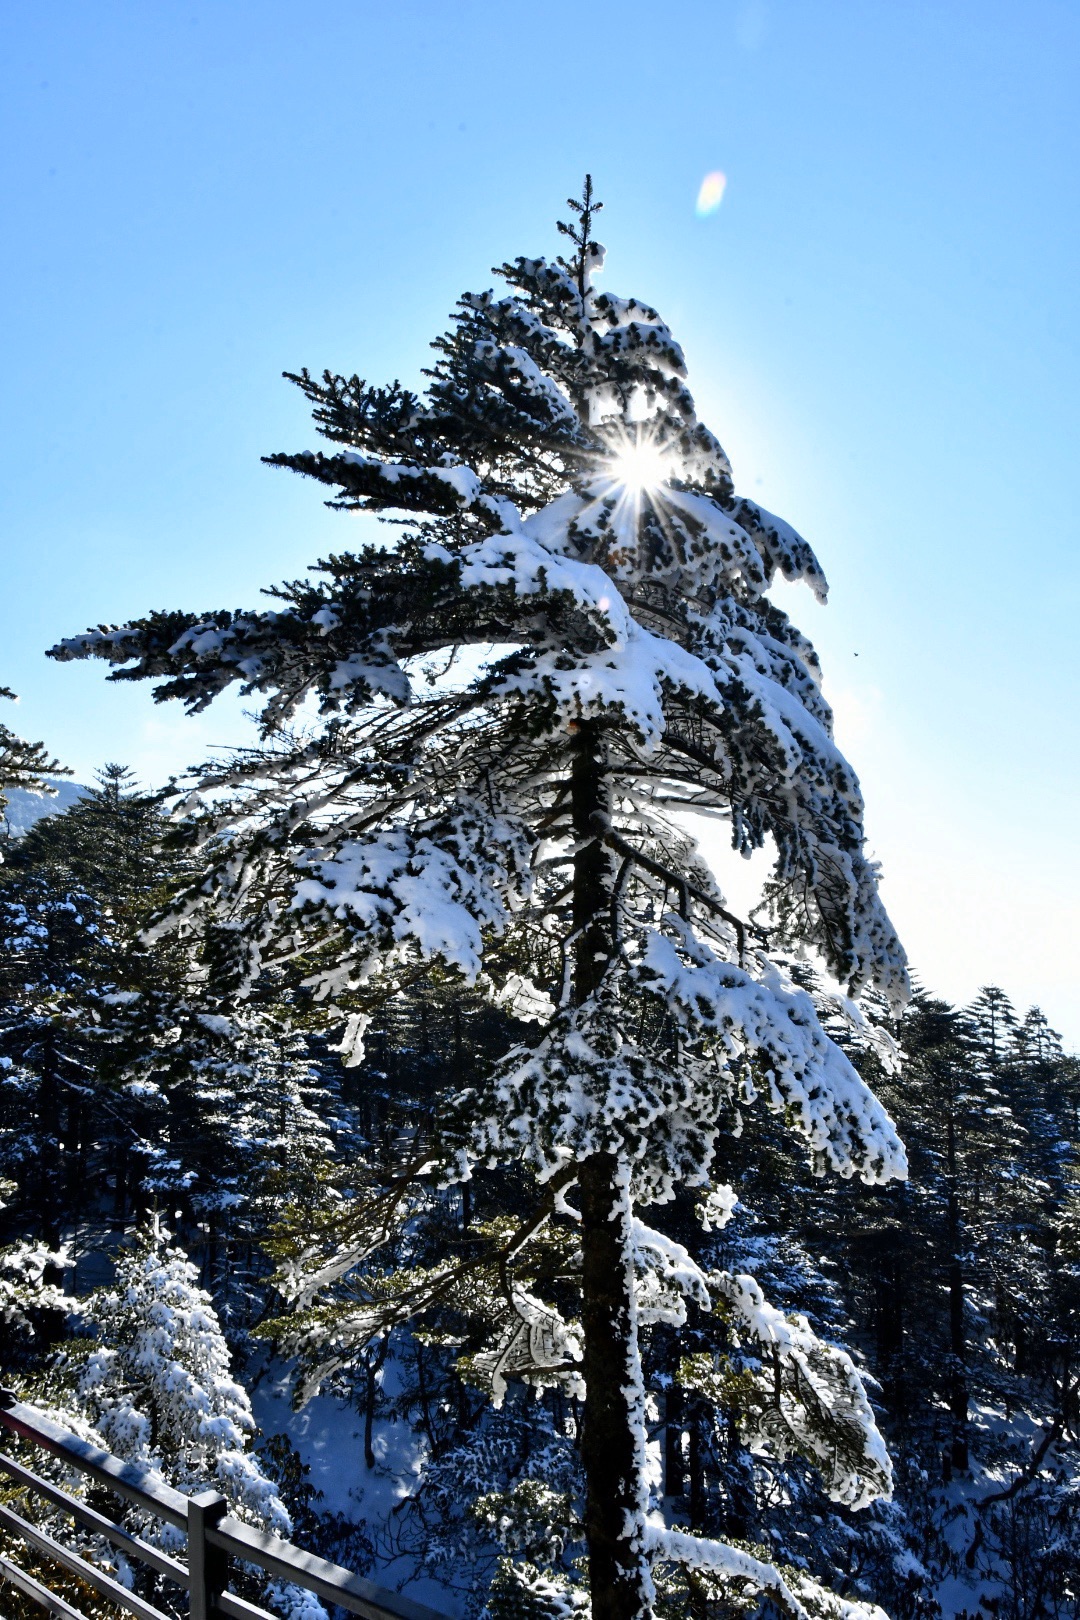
[810,1080]
[716,1208]
[524,999]
[758,1577]
[328,1434]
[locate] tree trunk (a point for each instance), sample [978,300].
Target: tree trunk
[51,1151]
[697,1469]
[890,1287]
[611,1442]
[958,1393]
[372,1365]
[741,1515]
[674,1461]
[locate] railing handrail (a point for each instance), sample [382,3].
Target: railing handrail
[227,1536]
[143,1486]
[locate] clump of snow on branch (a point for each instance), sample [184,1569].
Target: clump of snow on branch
[535,1345]
[807,1077]
[816,1403]
[436,888]
[715,1209]
[25,1285]
[793,1593]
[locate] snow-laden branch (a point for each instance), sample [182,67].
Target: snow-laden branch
[795,1595]
[804,1074]
[812,1399]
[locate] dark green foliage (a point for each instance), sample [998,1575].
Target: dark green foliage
[128,1081]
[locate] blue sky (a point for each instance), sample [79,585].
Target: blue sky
[881,322]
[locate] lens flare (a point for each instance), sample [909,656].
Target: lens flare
[640,466]
[711,194]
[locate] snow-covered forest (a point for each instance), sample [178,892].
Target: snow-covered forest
[401,1134]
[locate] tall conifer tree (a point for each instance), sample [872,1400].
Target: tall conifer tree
[571,643]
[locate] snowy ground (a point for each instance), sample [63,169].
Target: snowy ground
[329,1435]
[979,1590]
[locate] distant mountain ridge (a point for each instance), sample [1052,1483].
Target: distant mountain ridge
[24,807]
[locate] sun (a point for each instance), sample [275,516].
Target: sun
[640,466]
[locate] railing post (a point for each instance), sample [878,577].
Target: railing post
[208,1568]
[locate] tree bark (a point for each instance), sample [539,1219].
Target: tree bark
[610,1445]
[674,1430]
[372,1366]
[619,1581]
[51,1151]
[958,1394]
[593,878]
[697,1469]
[890,1289]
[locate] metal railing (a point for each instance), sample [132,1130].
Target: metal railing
[214,1539]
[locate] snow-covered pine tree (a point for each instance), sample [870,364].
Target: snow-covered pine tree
[230,1103]
[155,1384]
[156,1381]
[73,891]
[54,951]
[123,1068]
[508,812]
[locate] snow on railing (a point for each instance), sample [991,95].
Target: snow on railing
[213,1539]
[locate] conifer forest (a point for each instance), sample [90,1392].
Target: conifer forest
[400,1132]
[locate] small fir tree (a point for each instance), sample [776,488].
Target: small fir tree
[571,644]
[156,1380]
[155,1383]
